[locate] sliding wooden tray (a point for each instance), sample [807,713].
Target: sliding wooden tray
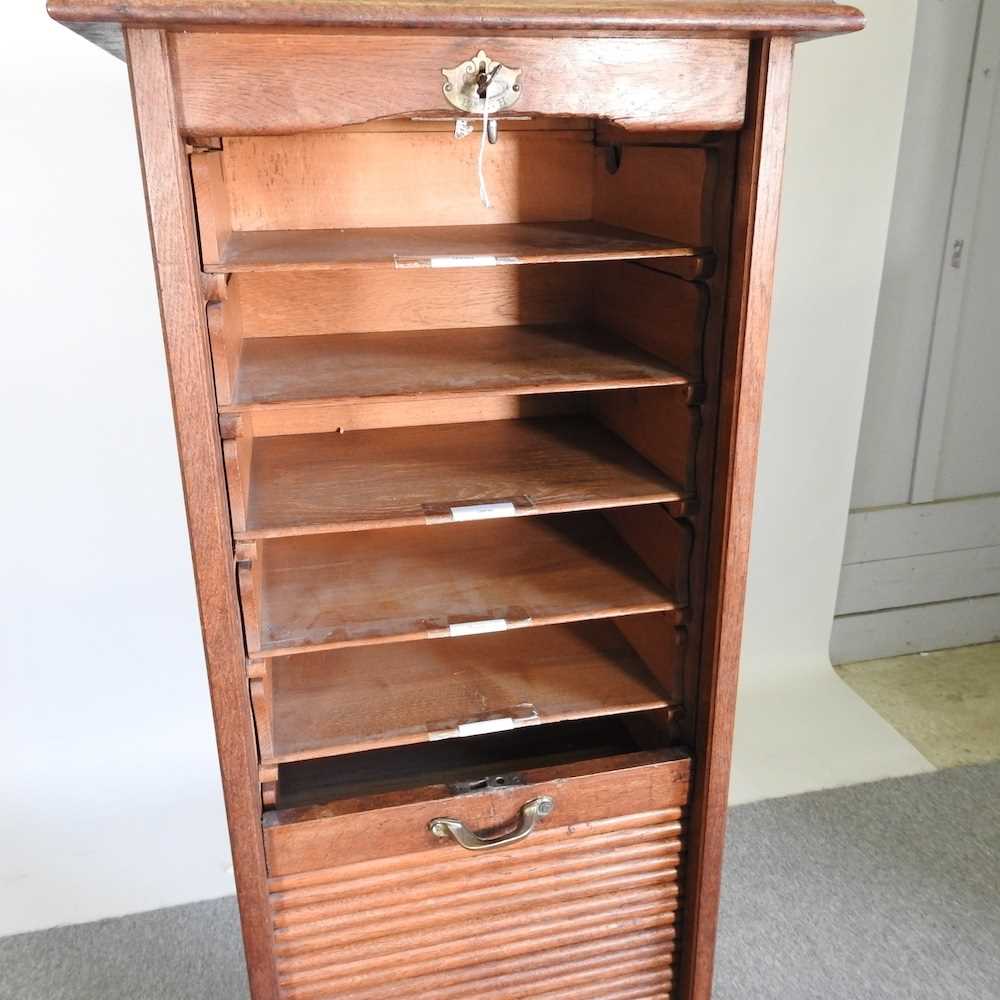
[314,202]
[437,247]
[333,591]
[436,364]
[368,697]
[308,483]
[282,339]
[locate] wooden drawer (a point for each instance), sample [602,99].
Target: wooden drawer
[368,903]
[240,83]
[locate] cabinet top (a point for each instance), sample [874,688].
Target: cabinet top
[727,18]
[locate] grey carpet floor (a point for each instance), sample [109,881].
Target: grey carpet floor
[889,890]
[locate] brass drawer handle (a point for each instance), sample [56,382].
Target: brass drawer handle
[530,813]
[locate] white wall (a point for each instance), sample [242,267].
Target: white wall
[112,799]
[111,795]
[798,727]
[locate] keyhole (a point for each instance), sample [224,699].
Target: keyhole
[484,79]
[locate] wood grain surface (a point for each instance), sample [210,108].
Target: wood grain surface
[392,695]
[440,364]
[305,303]
[589,899]
[666,191]
[309,483]
[660,425]
[335,417]
[657,312]
[378,373]
[232,84]
[723,17]
[332,591]
[432,246]
[409,177]
[424,177]
[297,838]
[185,334]
[758,198]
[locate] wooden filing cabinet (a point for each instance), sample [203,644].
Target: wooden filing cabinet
[465,310]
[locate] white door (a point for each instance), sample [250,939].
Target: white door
[922,559]
[958,448]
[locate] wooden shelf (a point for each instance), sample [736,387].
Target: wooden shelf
[309,483]
[439,246]
[333,591]
[426,364]
[381,696]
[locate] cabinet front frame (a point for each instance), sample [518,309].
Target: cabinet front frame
[164,115]
[239,83]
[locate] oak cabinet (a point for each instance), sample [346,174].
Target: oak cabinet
[465,312]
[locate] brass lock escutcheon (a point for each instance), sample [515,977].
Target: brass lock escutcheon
[481,84]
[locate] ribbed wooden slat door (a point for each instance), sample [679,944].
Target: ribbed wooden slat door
[584,911]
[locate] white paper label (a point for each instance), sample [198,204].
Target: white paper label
[470,261]
[523,715]
[482,511]
[485,726]
[478,628]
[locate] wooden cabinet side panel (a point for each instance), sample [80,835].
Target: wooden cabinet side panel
[742,363]
[182,307]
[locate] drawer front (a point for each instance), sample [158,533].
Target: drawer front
[585,906]
[242,82]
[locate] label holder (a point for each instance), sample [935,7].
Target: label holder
[491,722]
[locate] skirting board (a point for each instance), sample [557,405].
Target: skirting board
[918,577]
[917,629]
[925,579]
[919,529]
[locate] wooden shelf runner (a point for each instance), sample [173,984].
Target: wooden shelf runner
[380,696]
[439,246]
[309,483]
[424,364]
[331,591]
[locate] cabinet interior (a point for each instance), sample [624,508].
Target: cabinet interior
[465,447]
